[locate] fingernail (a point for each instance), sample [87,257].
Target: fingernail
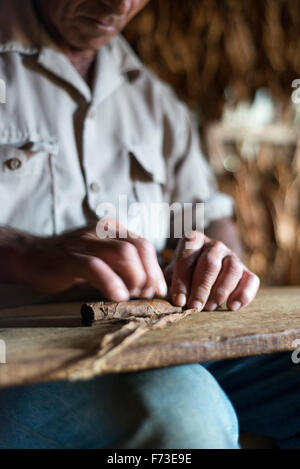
[122,295]
[196,305]
[162,289]
[236,305]
[135,293]
[179,299]
[148,293]
[190,234]
[212,307]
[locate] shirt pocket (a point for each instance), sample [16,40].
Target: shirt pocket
[27,186]
[148,180]
[147,173]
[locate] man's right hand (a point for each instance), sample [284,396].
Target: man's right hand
[119,268]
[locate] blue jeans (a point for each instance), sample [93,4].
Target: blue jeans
[179,407]
[265,392]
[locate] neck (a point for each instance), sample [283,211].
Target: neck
[83,62]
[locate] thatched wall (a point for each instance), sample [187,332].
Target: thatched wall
[209,49]
[203,47]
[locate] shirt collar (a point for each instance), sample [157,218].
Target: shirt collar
[19,27]
[114,61]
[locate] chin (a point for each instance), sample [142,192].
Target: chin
[97,43]
[93,43]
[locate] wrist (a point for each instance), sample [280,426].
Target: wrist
[14,248]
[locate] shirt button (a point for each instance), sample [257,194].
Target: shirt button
[94,187]
[14,164]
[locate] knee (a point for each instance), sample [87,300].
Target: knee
[174,408]
[184,407]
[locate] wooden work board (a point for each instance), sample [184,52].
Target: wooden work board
[48,342]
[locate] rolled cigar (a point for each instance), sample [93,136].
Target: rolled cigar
[91,312]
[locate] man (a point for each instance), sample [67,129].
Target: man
[85,123]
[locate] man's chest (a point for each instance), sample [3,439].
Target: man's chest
[60,153]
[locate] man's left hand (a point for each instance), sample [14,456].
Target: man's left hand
[205,273]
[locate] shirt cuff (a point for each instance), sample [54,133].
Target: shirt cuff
[218,206]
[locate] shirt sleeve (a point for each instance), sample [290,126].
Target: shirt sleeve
[190,178]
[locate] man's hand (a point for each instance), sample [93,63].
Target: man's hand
[205,274]
[118,268]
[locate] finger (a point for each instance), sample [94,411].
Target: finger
[245,291]
[206,272]
[184,264]
[155,283]
[228,279]
[124,259]
[168,273]
[102,277]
